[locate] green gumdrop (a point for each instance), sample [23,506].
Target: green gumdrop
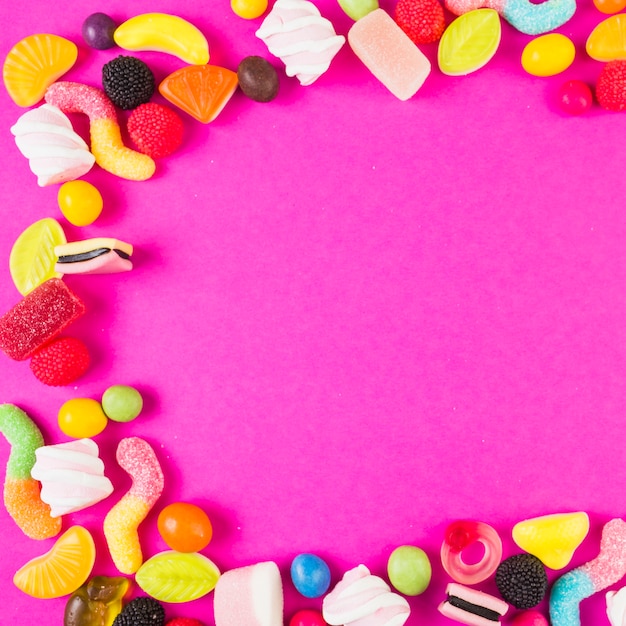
[122,403]
[356,9]
[409,570]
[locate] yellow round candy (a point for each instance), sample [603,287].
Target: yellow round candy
[248,9]
[80,202]
[548,55]
[82,417]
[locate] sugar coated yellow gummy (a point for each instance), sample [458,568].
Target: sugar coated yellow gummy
[553,539]
[113,156]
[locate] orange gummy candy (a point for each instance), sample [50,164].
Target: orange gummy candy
[61,570]
[607,41]
[34,63]
[202,91]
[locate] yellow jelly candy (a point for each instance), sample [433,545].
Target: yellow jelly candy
[552,538]
[80,202]
[82,418]
[607,41]
[163,32]
[32,257]
[61,570]
[469,42]
[177,576]
[248,9]
[34,63]
[548,55]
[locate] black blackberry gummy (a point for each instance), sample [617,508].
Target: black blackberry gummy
[522,580]
[141,612]
[128,82]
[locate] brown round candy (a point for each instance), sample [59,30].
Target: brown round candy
[258,79]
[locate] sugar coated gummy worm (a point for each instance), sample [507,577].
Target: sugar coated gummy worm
[106,140]
[524,15]
[137,458]
[580,583]
[22,492]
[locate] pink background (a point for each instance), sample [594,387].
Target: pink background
[354,319]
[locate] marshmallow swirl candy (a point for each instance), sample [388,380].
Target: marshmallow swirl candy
[361,599]
[71,475]
[305,41]
[55,152]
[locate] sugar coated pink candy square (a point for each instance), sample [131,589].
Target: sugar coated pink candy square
[39,317]
[389,54]
[249,596]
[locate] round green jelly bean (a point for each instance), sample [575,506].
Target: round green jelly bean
[409,570]
[122,403]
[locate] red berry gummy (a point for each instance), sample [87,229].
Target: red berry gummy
[155,129]
[422,20]
[42,315]
[60,362]
[611,86]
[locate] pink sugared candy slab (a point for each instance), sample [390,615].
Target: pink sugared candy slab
[38,317]
[249,596]
[389,54]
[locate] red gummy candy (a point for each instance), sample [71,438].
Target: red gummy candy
[422,20]
[611,86]
[184,621]
[155,129]
[39,317]
[60,362]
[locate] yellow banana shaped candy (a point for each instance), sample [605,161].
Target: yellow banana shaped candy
[162,32]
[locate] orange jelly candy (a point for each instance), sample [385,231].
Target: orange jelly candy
[34,63]
[607,41]
[202,91]
[61,570]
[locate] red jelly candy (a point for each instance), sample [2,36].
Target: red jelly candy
[307,617]
[39,317]
[155,129]
[60,362]
[575,97]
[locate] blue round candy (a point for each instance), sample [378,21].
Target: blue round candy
[310,575]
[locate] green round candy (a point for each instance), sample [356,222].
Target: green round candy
[409,570]
[122,403]
[356,9]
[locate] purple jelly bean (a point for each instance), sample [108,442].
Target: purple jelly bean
[98,31]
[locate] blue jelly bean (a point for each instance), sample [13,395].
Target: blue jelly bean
[310,575]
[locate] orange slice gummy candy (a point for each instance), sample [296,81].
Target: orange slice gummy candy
[552,538]
[607,41]
[62,570]
[34,63]
[202,91]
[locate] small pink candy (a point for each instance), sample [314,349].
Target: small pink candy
[575,97]
[529,618]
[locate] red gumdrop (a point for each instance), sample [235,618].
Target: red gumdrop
[575,97]
[307,617]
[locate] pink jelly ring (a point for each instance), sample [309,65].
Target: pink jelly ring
[459,536]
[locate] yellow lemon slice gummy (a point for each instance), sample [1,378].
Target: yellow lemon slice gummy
[32,257]
[552,538]
[607,41]
[469,42]
[34,63]
[61,570]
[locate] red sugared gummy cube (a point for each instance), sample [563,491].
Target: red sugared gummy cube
[39,317]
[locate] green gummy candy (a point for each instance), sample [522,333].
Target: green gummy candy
[409,570]
[172,576]
[24,436]
[356,9]
[122,403]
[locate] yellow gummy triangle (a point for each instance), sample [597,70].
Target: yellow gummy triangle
[553,539]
